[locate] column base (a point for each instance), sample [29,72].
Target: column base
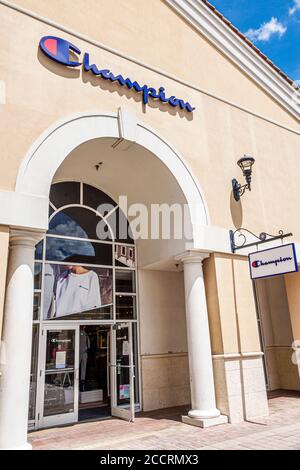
[205,422]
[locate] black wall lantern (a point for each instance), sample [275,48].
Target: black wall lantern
[245,163]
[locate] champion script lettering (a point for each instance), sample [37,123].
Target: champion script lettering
[61,51]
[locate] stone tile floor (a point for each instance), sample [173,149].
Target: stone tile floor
[163,430]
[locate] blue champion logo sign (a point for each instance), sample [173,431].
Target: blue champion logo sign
[61,51]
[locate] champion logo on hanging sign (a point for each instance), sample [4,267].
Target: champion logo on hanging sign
[273,261]
[61,51]
[257,264]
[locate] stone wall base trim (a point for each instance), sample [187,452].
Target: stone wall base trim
[240,388]
[165,381]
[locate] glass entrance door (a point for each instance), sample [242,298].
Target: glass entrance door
[94,400]
[122,372]
[59,375]
[61,389]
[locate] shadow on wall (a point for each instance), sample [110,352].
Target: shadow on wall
[88,78]
[114,87]
[67,72]
[236,210]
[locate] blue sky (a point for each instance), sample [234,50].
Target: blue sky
[273,25]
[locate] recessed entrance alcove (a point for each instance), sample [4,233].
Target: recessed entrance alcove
[109,363]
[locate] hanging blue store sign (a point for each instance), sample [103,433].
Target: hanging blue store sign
[59,50]
[273,261]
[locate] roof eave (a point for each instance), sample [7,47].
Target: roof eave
[231,42]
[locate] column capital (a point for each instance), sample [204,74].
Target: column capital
[192,256]
[24,237]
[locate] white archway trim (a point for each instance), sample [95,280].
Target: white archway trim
[49,151]
[54,145]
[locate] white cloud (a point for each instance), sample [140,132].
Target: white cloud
[294,8]
[267,30]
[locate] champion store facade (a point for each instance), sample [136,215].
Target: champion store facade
[125,224]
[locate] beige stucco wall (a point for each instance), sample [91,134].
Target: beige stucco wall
[162,312]
[231,307]
[142,28]
[163,342]
[165,381]
[4,238]
[39,92]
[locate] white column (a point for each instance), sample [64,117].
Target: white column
[204,411]
[16,342]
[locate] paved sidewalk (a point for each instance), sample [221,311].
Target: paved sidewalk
[163,430]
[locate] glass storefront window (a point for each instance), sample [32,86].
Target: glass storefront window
[36,305]
[37,276]
[125,307]
[78,252]
[124,256]
[39,250]
[120,227]
[63,194]
[125,281]
[78,278]
[73,283]
[93,197]
[77,222]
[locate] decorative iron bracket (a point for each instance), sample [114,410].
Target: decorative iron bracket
[238,190]
[264,237]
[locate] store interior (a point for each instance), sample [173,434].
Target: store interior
[94,385]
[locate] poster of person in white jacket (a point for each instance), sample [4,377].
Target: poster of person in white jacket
[77,290]
[71,290]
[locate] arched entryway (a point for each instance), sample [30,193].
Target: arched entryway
[50,150]
[119,156]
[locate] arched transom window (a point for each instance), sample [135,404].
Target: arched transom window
[85,265]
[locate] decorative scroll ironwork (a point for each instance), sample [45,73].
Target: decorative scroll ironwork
[242,234]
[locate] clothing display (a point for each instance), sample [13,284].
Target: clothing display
[84,345]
